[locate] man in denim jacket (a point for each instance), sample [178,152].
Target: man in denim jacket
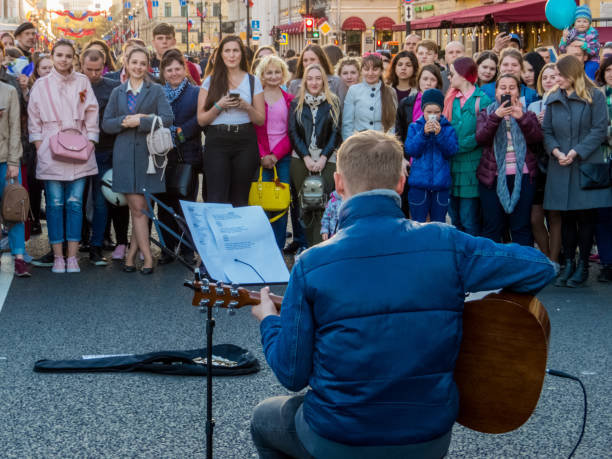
[372,321]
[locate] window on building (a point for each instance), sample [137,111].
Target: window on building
[183,36]
[184,11]
[167,9]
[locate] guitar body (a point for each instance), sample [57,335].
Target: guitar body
[502,361]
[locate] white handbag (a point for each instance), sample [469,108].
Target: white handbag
[159,143]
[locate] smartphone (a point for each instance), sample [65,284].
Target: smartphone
[432,118]
[506,98]
[234,95]
[504,28]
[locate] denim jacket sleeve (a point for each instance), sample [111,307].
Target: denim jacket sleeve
[288,340]
[486,265]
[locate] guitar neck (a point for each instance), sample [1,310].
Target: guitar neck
[255,298]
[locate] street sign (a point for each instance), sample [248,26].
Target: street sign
[255,24]
[284,39]
[255,37]
[325,28]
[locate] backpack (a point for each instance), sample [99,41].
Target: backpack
[312,195]
[15,203]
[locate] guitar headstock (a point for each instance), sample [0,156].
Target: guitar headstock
[209,294]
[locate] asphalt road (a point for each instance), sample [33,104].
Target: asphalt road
[106,311]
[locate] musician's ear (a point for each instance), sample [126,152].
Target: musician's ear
[400,185]
[340,185]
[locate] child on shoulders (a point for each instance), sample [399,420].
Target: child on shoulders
[582,30]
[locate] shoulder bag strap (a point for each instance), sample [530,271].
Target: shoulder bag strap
[252,86]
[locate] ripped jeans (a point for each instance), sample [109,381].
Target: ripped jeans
[64,197]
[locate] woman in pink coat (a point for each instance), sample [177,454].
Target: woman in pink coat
[67,95]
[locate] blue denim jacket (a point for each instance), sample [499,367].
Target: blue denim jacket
[372,321]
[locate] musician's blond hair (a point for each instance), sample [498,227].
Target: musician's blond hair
[370,160]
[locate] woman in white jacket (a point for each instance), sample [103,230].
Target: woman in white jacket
[370,104]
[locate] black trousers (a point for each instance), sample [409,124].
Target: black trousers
[578,230]
[231,160]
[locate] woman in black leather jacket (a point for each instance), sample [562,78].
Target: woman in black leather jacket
[314,148]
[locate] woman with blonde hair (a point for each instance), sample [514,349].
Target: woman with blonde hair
[314,130]
[575,154]
[273,136]
[370,104]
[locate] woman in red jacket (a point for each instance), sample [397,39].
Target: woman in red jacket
[273,135]
[507,168]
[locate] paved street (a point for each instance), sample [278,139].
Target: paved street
[106,311]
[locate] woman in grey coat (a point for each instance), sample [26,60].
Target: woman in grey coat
[129,114]
[574,130]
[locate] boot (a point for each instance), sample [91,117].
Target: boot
[566,273]
[580,275]
[605,274]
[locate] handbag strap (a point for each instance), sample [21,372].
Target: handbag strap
[154,123]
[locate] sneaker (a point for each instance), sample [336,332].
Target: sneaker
[46,261]
[59,265]
[119,252]
[96,258]
[594,257]
[21,268]
[84,247]
[72,265]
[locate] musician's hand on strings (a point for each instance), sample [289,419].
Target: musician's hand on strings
[266,307]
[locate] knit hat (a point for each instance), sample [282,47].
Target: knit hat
[432,96]
[467,68]
[583,11]
[23,27]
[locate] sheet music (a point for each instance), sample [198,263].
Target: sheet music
[236,244]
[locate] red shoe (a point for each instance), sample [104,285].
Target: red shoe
[594,258]
[21,268]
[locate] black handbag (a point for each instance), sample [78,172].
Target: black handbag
[594,176]
[181,177]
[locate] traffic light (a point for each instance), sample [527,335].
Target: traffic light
[378,44]
[309,27]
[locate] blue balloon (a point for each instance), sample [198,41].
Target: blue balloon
[560,13]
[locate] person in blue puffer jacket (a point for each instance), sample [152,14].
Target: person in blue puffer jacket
[377,352]
[431,141]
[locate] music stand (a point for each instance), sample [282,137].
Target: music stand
[201,282]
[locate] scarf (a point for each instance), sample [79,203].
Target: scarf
[313,103]
[173,94]
[500,148]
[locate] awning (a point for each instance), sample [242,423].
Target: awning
[605,34]
[298,27]
[515,12]
[384,23]
[353,23]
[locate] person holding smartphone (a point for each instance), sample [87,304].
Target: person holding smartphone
[230,102]
[508,167]
[431,142]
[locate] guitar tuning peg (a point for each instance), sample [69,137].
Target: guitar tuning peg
[218,304]
[203,305]
[205,285]
[231,308]
[234,290]
[219,289]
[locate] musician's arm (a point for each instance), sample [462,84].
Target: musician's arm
[485,265]
[288,340]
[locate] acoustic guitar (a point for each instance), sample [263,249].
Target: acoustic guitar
[502,360]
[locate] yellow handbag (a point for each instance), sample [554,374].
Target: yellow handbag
[272,196]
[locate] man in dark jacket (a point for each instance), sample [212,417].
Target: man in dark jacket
[372,320]
[92,65]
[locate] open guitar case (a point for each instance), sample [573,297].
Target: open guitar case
[180,363]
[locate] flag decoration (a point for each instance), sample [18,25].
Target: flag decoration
[201,14]
[85,15]
[149,8]
[189,25]
[76,33]
[251,4]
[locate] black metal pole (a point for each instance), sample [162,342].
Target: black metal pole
[187,23]
[248,20]
[210,422]
[220,24]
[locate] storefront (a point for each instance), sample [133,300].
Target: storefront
[353,29]
[477,27]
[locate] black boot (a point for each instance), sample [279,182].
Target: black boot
[580,275]
[566,273]
[605,274]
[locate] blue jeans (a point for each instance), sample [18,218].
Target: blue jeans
[16,232]
[428,202]
[68,195]
[496,220]
[603,235]
[100,216]
[465,214]
[279,226]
